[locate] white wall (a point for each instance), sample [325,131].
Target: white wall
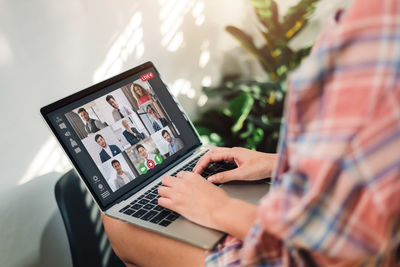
[49,49]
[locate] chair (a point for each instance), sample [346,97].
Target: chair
[87,239]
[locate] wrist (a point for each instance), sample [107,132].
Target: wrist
[236,217]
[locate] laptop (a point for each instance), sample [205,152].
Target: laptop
[123,135]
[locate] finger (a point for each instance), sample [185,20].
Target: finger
[180,174]
[165,202]
[226,176]
[184,175]
[214,155]
[165,192]
[168,181]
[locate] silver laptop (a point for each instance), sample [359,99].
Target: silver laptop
[126,133]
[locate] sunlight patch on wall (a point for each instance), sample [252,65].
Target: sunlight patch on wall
[205,54]
[198,14]
[172,14]
[202,100]
[50,158]
[128,42]
[206,81]
[6,53]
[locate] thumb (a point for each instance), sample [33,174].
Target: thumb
[226,176]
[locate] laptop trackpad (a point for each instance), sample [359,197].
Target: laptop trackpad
[247,191]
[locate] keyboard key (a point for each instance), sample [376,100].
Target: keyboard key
[129,211]
[154,201]
[151,196]
[165,223]
[136,207]
[143,201]
[139,213]
[148,206]
[149,215]
[172,217]
[124,208]
[159,208]
[160,216]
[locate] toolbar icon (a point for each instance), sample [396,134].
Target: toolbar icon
[62,126]
[73,142]
[142,168]
[105,194]
[150,164]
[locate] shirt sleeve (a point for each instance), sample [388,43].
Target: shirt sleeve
[336,192]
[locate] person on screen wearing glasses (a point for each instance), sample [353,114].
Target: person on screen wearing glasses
[158,122]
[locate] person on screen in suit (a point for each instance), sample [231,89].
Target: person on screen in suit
[120,111]
[107,151]
[123,177]
[174,144]
[158,122]
[131,134]
[148,159]
[91,125]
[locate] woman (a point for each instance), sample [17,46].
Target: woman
[335,197]
[140,94]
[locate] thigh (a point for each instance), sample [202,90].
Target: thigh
[136,246]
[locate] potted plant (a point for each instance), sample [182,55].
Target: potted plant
[251,111]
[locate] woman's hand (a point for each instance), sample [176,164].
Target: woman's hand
[252,165]
[193,197]
[200,201]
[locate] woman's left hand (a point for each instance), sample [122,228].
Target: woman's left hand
[193,197]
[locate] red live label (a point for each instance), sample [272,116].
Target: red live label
[147,76]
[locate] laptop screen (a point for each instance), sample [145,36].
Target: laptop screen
[121,132]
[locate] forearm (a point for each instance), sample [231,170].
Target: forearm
[235,218]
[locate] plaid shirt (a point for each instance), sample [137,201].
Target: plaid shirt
[335,199]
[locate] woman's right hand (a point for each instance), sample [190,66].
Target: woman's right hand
[251,165]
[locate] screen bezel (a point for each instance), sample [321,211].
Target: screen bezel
[46,110]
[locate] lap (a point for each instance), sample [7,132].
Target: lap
[135,245]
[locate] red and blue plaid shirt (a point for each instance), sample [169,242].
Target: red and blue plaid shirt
[335,199]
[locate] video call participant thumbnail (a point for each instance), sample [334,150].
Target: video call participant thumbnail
[131,134]
[122,177]
[120,111]
[174,143]
[159,122]
[106,150]
[91,125]
[140,94]
[149,160]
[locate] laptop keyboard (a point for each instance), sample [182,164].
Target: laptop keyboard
[146,206]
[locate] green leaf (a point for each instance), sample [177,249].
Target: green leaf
[258,135]
[247,42]
[268,14]
[298,13]
[240,108]
[248,132]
